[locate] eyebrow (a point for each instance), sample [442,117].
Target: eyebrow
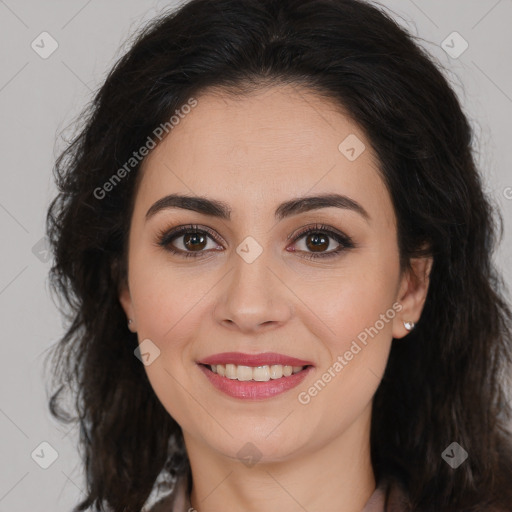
[220,209]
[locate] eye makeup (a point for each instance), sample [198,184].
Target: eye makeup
[167,237]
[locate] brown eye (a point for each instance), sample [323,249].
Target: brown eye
[317,239]
[187,241]
[194,241]
[317,242]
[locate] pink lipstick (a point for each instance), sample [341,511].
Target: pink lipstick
[254,376]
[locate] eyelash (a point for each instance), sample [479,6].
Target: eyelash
[166,237]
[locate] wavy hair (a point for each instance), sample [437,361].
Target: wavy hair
[448,382]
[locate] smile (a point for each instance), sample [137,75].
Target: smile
[255,373]
[273,379]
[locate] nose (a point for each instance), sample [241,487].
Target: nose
[253,297]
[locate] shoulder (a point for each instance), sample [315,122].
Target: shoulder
[175,498]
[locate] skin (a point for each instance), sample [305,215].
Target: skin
[254,152]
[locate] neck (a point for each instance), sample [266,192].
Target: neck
[323,477]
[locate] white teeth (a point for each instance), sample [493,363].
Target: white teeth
[276,371]
[261,373]
[258,373]
[231,372]
[244,372]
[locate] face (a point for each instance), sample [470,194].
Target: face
[256,281]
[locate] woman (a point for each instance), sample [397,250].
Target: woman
[277,254]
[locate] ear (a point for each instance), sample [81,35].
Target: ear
[412,294]
[123,293]
[125,299]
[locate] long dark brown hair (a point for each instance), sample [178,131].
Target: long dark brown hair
[446,383]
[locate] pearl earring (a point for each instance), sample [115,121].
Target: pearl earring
[409,325]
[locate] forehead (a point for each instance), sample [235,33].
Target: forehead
[264,147]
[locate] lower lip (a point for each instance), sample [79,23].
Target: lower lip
[254,390]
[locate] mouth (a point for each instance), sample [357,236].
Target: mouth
[255,381]
[263,373]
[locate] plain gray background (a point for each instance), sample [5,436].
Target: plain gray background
[39,97]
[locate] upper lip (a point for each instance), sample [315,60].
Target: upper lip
[263,359]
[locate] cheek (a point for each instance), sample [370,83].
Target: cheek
[354,311]
[356,333]
[166,297]
[359,311]
[352,301]
[168,313]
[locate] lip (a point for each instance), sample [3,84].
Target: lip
[263,359]
[254,390]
